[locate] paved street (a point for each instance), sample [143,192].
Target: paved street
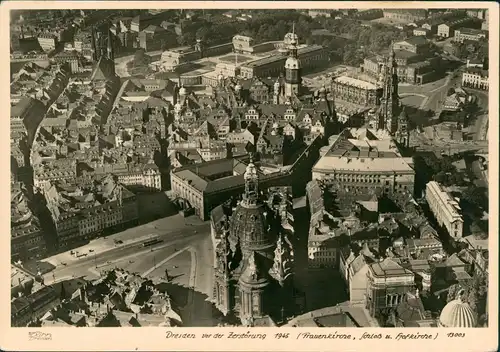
[433,93]
[142,257]
[174,231]
[161,227]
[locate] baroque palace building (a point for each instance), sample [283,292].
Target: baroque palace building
[254,255]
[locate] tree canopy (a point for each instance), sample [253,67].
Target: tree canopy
[362,40]
[477,196]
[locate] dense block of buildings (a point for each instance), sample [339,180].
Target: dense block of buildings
[32,307]
[445,208]
[116,299]
[154,38]
[80,213]
[322,242]
[27,236]
[203,186]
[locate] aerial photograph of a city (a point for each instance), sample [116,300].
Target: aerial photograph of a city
[255,168]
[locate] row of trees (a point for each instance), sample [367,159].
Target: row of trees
[442,170]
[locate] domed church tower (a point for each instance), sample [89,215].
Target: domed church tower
[292,69]
[252,225]
[253,261]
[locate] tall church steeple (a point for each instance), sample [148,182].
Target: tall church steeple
[292,69]
[391,97]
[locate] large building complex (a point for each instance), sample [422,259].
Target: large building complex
[364,160]
[310,56]
[445,208]
[415,63]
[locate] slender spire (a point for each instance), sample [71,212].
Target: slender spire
[251,183]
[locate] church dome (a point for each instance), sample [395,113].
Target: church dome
[458,314]
[292,63]
[250,223]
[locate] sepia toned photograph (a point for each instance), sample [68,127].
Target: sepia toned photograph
[285,168]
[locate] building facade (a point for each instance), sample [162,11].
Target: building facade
[356,91]
[475,78]
[445,208]
[388,284]
[406,15]
[463,34]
